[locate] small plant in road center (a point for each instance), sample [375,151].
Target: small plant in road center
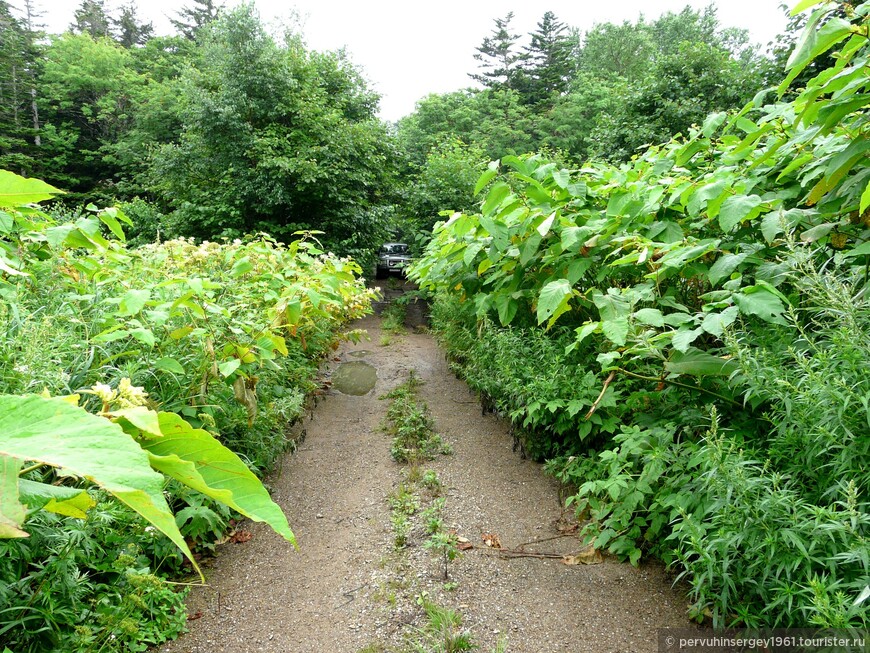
[442,631]
[446,545]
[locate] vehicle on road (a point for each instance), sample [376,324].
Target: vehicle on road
[393,258]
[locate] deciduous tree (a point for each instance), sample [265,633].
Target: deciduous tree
[88,88]
[623,50]
[276,138]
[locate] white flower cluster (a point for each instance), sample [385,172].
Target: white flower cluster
[126,396]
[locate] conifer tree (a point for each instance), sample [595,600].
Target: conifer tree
[131,32]
[91,18]
[500,60]
[548,60]
[18,127]
[12,65]
[192,18]
[32,35]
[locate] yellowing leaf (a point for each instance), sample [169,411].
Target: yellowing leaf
[179,333]
[68,501]
[865,199]
[53,432]
[141,417]
[17,191]
[197,459]
[589,556]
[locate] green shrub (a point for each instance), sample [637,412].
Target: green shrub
[86,585]
[756,552]
[685,338]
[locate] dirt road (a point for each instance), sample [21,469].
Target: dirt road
[348,590]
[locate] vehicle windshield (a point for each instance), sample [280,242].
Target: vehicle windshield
[394,248]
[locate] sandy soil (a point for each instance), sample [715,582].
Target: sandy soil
[346,588]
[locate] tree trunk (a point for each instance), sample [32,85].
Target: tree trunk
[15,96]
[34,110]
[37,139]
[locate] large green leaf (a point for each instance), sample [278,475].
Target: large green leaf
[497,230]
[16,190]
[6,222]
[861,250]
[195,458]
[69,501]
[553,300]
[12,513]
[713,122]
[716,323]
[650,316]
[616,330]
[813,43]
[699,363]
[54,432]
[495,197]
[133,301]
[724,266]
[108,218]
[486,177]
[142,419]
[684,337]
[759,301]
[585,331]
[507,308]
[738,208]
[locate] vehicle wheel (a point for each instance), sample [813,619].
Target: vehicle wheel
[379,273]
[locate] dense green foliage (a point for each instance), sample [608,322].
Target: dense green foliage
[87,584]
[163,360]
[605,94]
[685,335]
[226,132]
[19,114]
[299,145]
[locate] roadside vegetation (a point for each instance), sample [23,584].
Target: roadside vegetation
[683,337]
[141,389]
[411,427]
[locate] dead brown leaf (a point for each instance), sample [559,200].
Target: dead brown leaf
[240,537]
[588,556]
[491,540]
[564,526]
